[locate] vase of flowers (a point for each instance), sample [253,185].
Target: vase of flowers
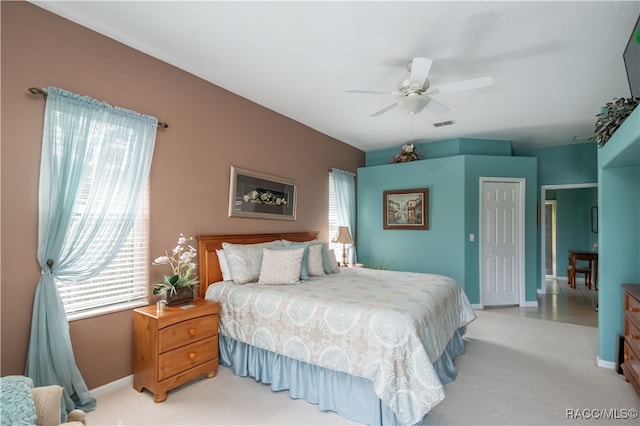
[177,287]
[407,153]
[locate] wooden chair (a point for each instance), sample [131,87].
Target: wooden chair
[575,268]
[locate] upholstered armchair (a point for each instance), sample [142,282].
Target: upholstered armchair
[48,412]
[23,404]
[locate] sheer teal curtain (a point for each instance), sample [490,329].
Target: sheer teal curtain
[95,163]
[345,192]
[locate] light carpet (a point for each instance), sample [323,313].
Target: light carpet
[516,371]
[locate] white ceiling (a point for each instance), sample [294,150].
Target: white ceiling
[554,63]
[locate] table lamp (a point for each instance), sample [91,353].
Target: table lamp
[343,237]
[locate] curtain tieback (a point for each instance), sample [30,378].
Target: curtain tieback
[50,265]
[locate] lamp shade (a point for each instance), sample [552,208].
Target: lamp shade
[343,237]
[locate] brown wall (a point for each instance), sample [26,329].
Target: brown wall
[210,130]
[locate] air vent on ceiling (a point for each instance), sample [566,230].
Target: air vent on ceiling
[444,123]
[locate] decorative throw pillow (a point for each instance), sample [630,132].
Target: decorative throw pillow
[304,268]
[16,402]
[245,260]
[224,265]
[333,262]
[325,256]
[281,266]
[315,260]
[326,262]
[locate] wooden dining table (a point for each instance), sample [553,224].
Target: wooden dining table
[588,256]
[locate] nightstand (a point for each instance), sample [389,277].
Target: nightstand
[175,346]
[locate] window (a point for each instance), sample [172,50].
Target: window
[120,285]
[333,221]
[93,192]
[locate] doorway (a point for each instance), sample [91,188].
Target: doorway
[545,244]
[502,241]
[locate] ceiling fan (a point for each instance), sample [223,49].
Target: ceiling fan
[415,92]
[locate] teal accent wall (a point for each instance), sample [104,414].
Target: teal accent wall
[619,228]
[570,164]
[444,148]
[573,224]
[454,187]
[566,164]
[438,250]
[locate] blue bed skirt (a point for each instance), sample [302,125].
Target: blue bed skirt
[350,396]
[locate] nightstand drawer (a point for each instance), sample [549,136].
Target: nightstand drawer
[633,305]
[633,309]
[186,357]
[186,332]
[632,334]
[631,365]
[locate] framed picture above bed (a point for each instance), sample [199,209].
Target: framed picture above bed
[261,196]
[406,209]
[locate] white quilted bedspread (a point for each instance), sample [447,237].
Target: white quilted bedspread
[386,326]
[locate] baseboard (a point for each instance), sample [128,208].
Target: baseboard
[477,306]
[125,381]
[605,364]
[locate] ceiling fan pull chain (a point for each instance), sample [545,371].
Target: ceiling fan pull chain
[412,115]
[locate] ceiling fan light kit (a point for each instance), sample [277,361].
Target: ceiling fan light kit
[413,103]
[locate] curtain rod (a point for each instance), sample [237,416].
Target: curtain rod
[343,171]
[43,92]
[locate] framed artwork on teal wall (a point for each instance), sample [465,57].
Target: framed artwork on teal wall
[406,209]
[594,219]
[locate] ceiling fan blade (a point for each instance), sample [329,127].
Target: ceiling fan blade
[372,92]
[436,107]
[419,71]
[385,109]
[459,86]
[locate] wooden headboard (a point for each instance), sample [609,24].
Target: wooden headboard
[208,266]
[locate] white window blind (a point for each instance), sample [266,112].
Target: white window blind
[333,221]
[120,285]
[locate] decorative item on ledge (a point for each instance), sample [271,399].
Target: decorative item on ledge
[178,287]
[407,153]
[611,116]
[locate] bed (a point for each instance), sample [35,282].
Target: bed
[374,346]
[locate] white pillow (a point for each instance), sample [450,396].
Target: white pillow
[332,260]
[245,260]
[281,266]
[224,265]
[315,260]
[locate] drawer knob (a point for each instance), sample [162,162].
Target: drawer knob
[634,337]
[192,332]
[192,356]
